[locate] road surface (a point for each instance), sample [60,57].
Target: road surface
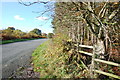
[17,54]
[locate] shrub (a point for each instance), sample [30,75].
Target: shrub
[50,35]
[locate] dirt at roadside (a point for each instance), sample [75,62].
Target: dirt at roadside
[25,72]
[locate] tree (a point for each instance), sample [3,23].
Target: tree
[50,35]
[91,21]
[11,28]
[18,33]
[36,31]
[7,34]
[44,34]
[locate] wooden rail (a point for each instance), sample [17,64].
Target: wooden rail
[107,74]
[90,54]
[85,46]
[107,62]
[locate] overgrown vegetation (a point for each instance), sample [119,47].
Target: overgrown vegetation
[11,34]
[50,35]
[52,62]
[85,23]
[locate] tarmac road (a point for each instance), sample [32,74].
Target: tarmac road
[17,54]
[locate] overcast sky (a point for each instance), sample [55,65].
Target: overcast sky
[24,18]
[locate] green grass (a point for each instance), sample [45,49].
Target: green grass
[38,56]
[45,61]
[15,40]
[50,60]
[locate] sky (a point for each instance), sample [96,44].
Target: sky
[25,18]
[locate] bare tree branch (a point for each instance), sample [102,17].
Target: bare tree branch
[31,3]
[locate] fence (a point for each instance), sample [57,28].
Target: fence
[92,70]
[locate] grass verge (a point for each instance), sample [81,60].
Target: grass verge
[15,40]
[50,60]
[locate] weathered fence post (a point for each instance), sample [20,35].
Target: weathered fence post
[92,64]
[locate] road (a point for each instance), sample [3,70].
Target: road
[17,54]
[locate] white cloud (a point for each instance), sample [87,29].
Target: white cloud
[42,18]
[18,17]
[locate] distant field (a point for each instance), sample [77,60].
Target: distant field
[15,40]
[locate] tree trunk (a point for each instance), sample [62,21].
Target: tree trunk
[100,49]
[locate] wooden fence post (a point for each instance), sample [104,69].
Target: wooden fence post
[92,64]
